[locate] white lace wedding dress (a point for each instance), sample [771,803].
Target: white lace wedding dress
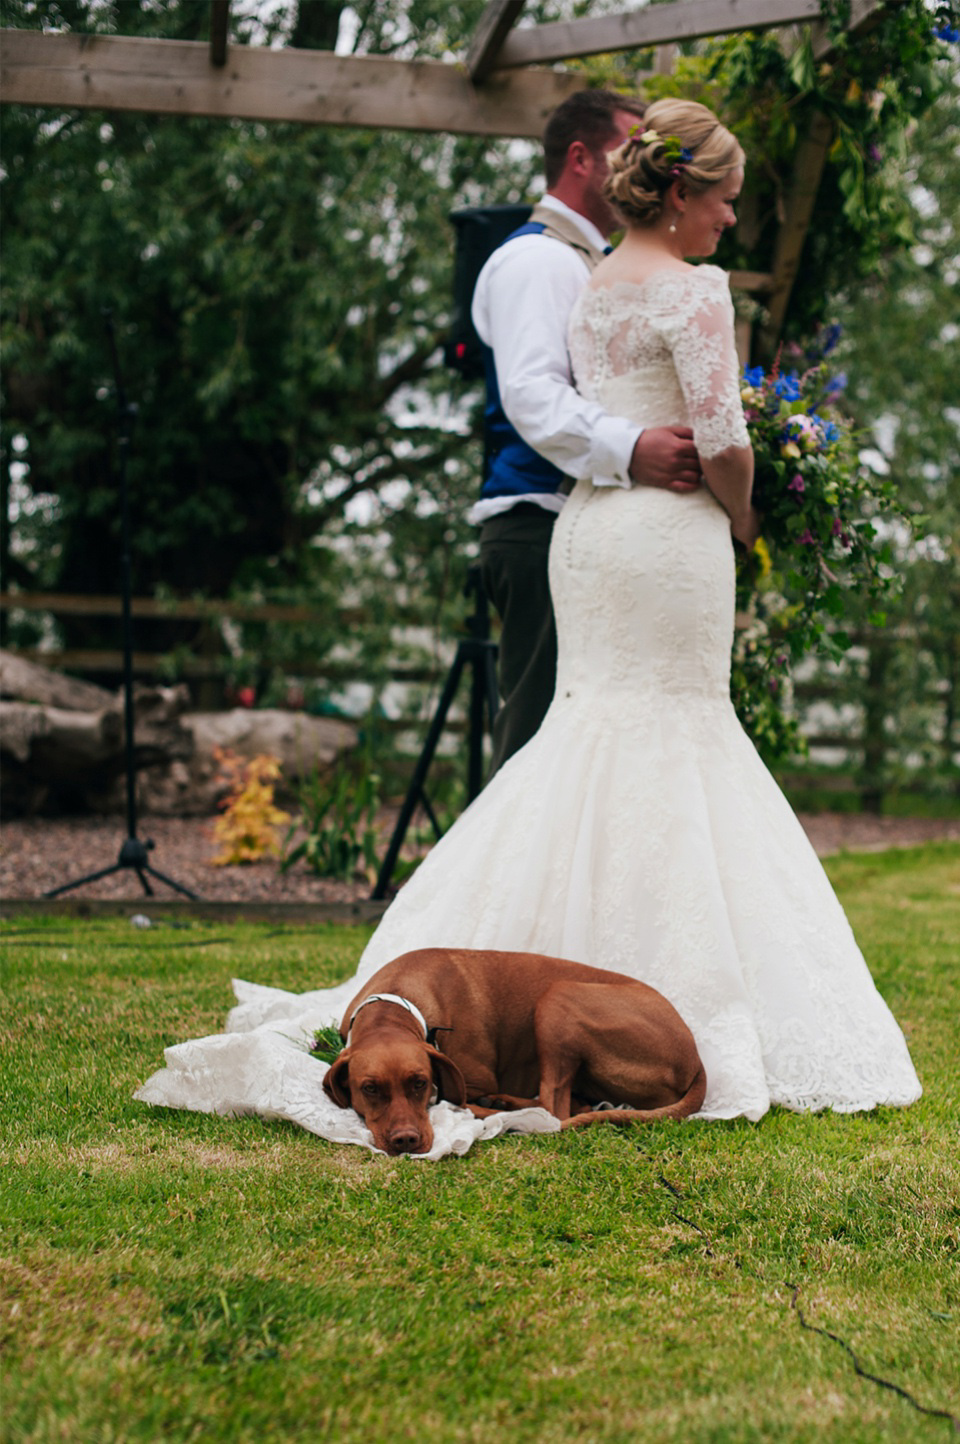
[639,830]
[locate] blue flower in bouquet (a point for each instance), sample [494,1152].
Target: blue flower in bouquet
[787,387]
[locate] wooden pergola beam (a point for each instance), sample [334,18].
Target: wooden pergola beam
[219,30]
[656,25]
[315,87]
[493,27]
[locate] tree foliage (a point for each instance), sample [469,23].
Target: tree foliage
[901,352]
[279,294]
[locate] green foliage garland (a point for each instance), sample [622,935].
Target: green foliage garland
[827,522]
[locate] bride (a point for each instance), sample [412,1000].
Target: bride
[639,830]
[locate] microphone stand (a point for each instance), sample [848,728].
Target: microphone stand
[134,851]
[476,654]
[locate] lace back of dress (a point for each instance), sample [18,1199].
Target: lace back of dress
[663,352]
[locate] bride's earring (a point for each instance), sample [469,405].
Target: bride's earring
[673,229]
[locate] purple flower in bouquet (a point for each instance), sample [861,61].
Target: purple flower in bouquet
[797,484]
[807,538]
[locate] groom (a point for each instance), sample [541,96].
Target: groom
[541,432]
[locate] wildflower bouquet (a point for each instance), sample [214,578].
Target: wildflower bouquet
[821,538]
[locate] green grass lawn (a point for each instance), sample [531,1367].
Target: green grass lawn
[171,1276]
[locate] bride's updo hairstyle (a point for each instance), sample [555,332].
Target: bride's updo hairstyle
[675,138]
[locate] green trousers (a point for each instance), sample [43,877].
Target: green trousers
[513,564]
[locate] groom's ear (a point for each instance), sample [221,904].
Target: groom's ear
[578,159]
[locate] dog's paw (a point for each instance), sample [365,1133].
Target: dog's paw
[504,1103]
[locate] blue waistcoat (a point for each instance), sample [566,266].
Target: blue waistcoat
[511,467]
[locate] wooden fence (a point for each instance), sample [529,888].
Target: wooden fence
[872,749]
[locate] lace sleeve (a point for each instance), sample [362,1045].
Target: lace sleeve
[707,365]
[586,346]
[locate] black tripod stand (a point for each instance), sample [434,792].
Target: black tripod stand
[133,853]
[480,654]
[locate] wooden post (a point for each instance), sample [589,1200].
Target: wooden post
[492,29]
[951,701]
[811,159]
[219,27]
[872,779]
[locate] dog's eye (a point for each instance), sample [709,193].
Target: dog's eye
[418,1085]
[369,1089]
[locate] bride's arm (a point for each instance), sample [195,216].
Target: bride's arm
[708,368]
[729,475]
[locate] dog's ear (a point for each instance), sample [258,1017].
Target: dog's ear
[336,1082]
[449,1080]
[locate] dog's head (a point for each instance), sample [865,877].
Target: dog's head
[390,1082]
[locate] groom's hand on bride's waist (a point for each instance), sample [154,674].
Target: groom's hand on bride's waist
[666,456]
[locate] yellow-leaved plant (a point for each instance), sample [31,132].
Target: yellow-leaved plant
[247,828]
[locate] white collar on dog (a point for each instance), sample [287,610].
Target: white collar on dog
[389,998]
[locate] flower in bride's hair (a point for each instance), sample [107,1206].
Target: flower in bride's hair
[649,137]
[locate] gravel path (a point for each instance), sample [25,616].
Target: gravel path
[39,854]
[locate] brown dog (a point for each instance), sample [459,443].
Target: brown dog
[518,1031]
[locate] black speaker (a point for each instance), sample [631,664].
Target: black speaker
[478,231]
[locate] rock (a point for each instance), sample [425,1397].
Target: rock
[26,682]
[192,788]
[63,745]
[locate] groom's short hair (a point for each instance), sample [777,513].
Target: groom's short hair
[587,116]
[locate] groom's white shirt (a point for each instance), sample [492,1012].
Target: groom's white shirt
[521,310]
